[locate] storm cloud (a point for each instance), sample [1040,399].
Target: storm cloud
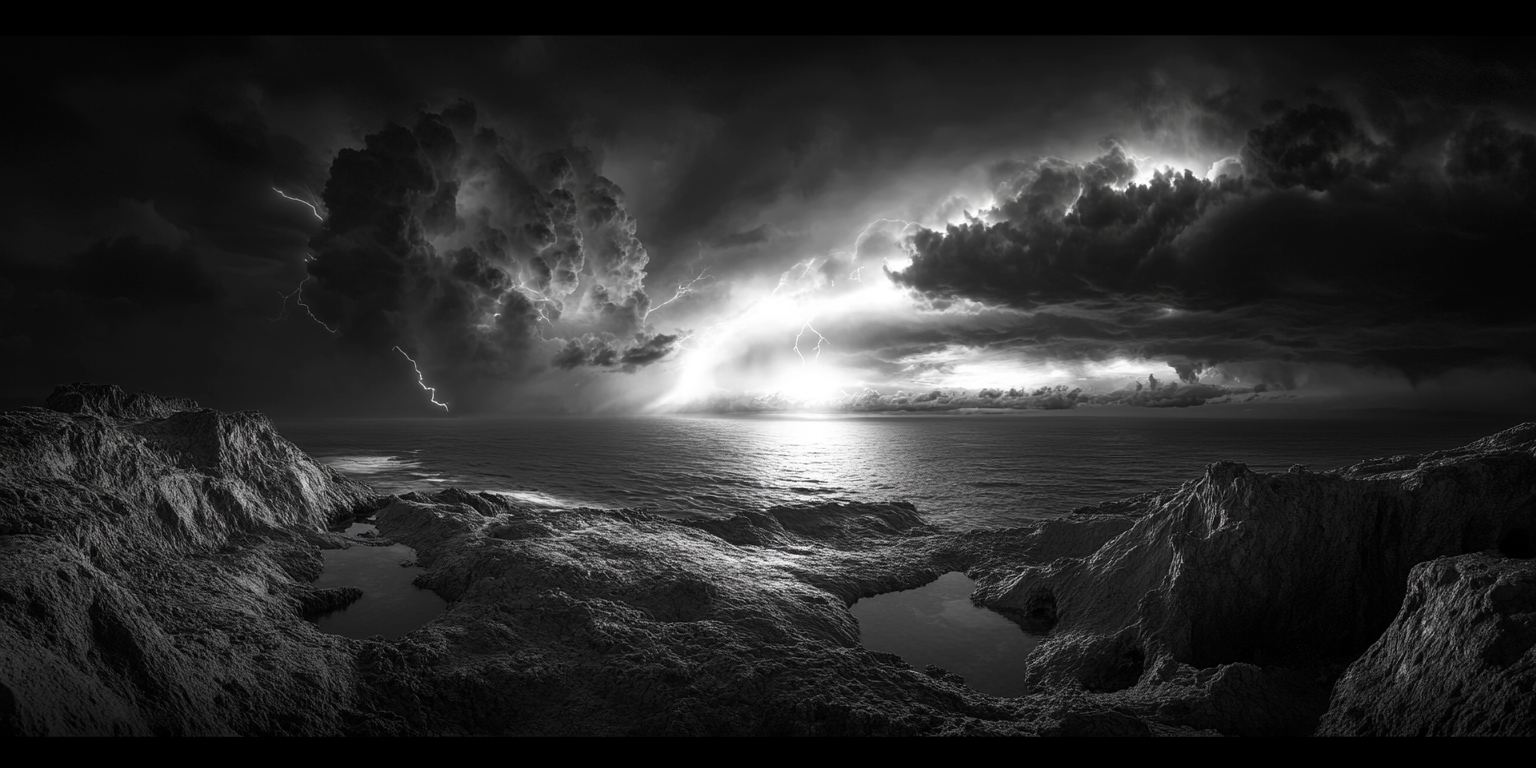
[537,221]
[1329,247]
[483,258]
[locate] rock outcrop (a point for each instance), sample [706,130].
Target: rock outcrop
[1281,579]
[110,400]
[1459,659]
[155,562]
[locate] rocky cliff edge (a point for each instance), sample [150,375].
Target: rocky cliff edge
[155,561]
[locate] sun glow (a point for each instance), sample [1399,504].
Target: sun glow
[782,344]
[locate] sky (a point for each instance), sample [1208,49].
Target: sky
[444,227]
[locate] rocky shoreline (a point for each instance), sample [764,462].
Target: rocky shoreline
[156,561]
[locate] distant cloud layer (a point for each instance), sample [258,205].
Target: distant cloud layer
[1149,394]
[1317,245]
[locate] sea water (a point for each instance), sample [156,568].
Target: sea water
[961,471]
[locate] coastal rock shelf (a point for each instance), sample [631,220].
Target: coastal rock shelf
[157,565]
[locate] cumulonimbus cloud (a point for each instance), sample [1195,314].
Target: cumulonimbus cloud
[484,258]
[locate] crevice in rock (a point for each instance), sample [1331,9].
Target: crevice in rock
[1121,672]
[1040,612]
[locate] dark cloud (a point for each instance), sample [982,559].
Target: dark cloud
[544,246]
[1486,152]
[653,349]
[605,351]
[1330,247]
[1315,147]
[1374,191]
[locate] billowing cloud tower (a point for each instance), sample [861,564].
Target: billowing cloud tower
[483,259]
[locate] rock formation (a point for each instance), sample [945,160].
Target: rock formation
[1286,577]
[153,567]
[155,562]
[1459,659]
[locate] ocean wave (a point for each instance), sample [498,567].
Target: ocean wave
[539,499]
[369,465]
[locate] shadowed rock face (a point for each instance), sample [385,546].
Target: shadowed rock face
[155,561]
[152,569]
[1459,660]
[1289,576]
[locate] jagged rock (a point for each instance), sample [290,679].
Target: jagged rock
[315,603]
[110,400]
[147,555]
[1459,659]
[939,673]
[665,628]
[155,561]
[1293,574]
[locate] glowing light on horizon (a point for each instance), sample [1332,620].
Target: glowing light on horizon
[727,358]
[800,293]
[431,391]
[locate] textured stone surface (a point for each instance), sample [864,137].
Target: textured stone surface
[110,400]
[153,568]
[1459,659]
[1287,576]
[155,562]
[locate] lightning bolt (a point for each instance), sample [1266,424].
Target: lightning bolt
[298,293]
[537,297]
[820,339]
[865,232]
[784,279]
[683,289]
[301,202]
[431,391]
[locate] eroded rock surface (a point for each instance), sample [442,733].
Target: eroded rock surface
[153,569]
[155,562]
[110,400]
[1274,580]
[1459,659]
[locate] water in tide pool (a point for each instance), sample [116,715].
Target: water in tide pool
[962,471]
[937,624]
[391,605]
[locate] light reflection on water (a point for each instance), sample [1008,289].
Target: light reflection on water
[961,471]
[937,624]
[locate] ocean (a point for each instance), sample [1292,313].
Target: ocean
[962,471]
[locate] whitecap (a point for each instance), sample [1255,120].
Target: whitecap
[369,465]
[540,499]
